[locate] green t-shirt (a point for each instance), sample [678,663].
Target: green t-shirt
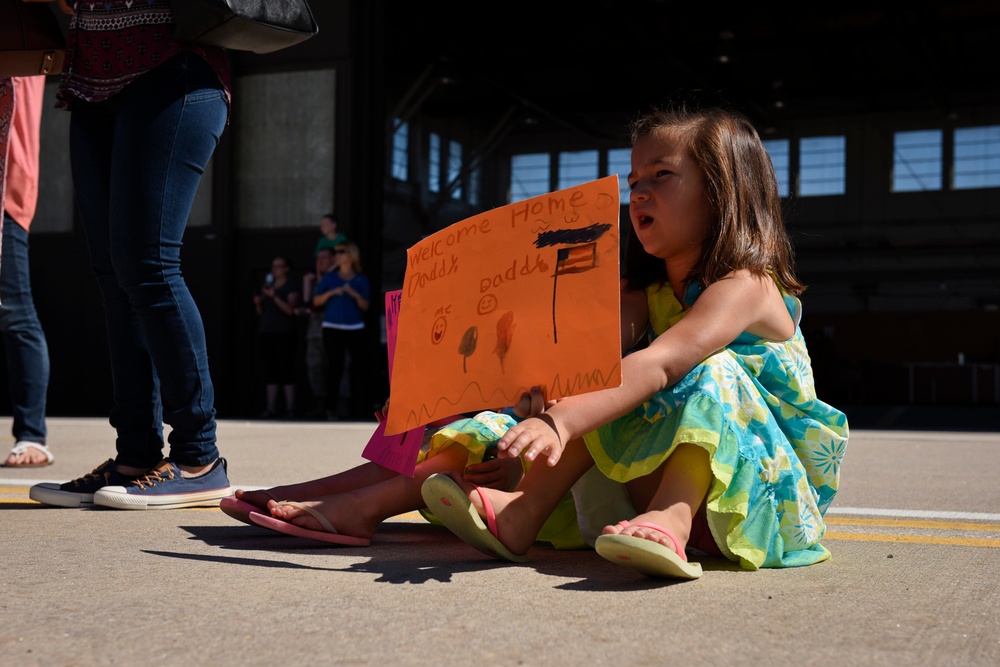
[327,242]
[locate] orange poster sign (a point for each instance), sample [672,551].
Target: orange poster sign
[526,294]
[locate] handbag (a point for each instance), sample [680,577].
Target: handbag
[260,26]
[31,39]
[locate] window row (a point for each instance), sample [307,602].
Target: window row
[918,164]
[447,167]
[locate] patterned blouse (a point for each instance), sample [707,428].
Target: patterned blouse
[114,42]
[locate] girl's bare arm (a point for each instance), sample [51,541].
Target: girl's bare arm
[738,303]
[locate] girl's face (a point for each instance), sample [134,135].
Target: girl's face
[668,206]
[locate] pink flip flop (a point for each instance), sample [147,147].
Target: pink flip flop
[240,509]
[650,558]
[329,534]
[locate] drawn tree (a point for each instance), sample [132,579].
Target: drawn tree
[467,347]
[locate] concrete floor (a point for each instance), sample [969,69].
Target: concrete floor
[914,578]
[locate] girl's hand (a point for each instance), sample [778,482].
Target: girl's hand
[531,404]
[534,437]
[503,474]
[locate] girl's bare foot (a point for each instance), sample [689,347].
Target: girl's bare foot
[672,521]
[256,498]
[339,510]
[513,531]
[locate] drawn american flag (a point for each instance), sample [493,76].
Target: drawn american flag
[576,259]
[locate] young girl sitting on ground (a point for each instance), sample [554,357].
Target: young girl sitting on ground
[715,439]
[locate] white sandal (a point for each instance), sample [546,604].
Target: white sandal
[22,447]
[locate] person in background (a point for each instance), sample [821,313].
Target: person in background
[276,305]
[24,340]
[344,293]
[146,114]
[330,238]
[315,354]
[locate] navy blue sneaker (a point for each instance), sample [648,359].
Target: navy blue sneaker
[163,488]
[79,492]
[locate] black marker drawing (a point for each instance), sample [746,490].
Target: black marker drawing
[579,257]
[468,345]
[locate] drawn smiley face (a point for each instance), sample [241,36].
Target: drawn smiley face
[438,330]
[487,304]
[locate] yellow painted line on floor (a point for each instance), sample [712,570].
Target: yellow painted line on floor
[896,523]
[28,501]
[914,539]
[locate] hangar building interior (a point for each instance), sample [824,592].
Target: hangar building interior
[882,121]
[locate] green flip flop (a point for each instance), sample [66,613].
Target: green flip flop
[650,558]
[448,502]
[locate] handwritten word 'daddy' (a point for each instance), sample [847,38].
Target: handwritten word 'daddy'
[511,273]
[428,259]
[440,269]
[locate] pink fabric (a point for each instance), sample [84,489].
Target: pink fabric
[24,145]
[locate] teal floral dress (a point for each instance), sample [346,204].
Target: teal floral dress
[775,448]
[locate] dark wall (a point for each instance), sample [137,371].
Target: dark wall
[869,341]
[223,273]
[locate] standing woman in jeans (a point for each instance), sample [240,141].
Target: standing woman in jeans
[24,343]
[147,114]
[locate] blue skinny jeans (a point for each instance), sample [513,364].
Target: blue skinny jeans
[137,160]
[23,339]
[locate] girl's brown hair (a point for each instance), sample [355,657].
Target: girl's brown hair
[746,231]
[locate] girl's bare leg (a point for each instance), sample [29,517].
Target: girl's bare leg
[359,510]
[671,498]
[521,513]
[348,480]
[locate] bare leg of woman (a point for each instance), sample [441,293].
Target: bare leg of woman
[671,497]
